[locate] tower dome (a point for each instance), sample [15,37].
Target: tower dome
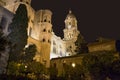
[70,21]
[70,15]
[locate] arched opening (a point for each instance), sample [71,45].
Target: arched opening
[49,31]
[44,30]
[45,20]
[49,21]
[27,3]
[49,41]
[43,40]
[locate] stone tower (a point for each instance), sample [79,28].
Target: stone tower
[12,5]
[40,35]
[70,33]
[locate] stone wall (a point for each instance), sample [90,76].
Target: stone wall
[102,46]
[5,19]
[60,62]
[43,51]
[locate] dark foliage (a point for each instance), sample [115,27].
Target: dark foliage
[99,64]
[81,45]
[18,34]
[28,54]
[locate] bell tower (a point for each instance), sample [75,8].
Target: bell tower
[70,33]
[40,35]
[70,20]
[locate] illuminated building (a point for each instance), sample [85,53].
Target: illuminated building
[40,32]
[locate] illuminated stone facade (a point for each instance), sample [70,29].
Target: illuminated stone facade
[58,47]
[39,28]
[2,3]
[40,32]
[66,46]
[59,63]
[12,6]
[40,35]
[70,33]
[5,19]
[102,46]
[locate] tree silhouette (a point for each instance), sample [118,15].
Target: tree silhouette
[18,32]
[81,45]
[98,64]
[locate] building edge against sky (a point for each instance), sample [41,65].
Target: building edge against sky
[41,34]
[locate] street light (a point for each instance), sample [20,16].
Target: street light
[26,71]
[73,65]
[25,67]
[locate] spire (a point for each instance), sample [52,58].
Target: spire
[70,14]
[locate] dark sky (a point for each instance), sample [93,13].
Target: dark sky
[95,17]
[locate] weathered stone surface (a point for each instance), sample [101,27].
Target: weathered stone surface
[102,46]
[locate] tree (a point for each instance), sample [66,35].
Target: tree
[17,37]
[98,64]
[74,73]
[18,32]
[38,69]
[13,68]
[115,70]
[53,73]
[28,54]
[81,45]
[26,64]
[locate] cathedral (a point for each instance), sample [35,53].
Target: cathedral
[40,31]
[49,46]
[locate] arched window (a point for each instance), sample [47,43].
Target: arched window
[49,41]
[70,47]
[45,18]
[32,21]
[44,30]
[49,31]
[43,40]
[27,3]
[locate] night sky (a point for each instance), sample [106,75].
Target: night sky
[95,17]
